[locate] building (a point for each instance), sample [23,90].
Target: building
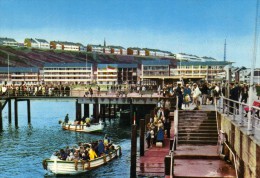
[111,74]
[43,44]
[95,48]
[31,43]
[135,51]
[67,73]
[66,46]
[154,72]
[156,52]
[127,73]
[8,42]
[200,70]
[187,57]
[118,50]
[19,75]
[107,74]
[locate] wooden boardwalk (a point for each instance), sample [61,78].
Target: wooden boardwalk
[152,163]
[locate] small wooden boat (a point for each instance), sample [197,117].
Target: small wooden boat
[93,127]
[61,167]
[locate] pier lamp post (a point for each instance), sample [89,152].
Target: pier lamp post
[250,98]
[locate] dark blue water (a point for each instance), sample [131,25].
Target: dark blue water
[22,150]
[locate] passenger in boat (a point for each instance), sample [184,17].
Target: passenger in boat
[160,135]
[63,155]
[92,154]
[101,147]
[106,140]
[70,157]
[66,119]
[87,121]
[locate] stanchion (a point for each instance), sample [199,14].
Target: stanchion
[133,151]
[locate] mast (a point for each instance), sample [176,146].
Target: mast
[225,48]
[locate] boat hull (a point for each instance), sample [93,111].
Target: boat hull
[60,167]
[98,127]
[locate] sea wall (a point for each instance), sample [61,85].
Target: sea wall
[245,147]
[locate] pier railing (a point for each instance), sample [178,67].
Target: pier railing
[242,113]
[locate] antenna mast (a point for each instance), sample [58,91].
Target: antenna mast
[225,49]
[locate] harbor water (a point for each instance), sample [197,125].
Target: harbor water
[22,150]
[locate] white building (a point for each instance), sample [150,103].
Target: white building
[8,42]
[67,73]
[43,44]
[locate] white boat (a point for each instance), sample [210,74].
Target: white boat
[93,127]
[60,167]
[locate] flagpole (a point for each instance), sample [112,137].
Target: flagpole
[250,98]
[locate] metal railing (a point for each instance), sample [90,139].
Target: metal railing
[241,113]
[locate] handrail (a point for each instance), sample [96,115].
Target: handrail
[216,111]
[233,157]
[175,139]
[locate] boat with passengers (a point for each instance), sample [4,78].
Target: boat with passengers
[80,159]
[83,127]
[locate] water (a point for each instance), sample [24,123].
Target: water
[22,150]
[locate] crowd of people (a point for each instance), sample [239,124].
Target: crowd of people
[35,90]
[158,127]
[85,151]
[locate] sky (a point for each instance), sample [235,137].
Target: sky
[197,27]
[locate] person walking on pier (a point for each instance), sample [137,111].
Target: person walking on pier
[196,94]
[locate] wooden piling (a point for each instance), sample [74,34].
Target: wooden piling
[131,111]
[29,111]
[109,112]
[16,113]
[167,167]
[86,110]
[133,151]
[114,111]
[10,111]
[1,118]
[142,128]
[78,111]
[96,110]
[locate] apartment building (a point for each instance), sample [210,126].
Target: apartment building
[107,74]
[67,73]
[118,50]
[95,48]
[199,70]
[8,42]
[66,46]
[43,44]
[19,75]
[135,51]
[31,43]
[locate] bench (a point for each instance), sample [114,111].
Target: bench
[256,104]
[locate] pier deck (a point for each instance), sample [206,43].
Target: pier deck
[152,163]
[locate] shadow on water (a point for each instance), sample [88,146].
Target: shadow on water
[22,149]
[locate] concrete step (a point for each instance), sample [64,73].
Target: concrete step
[198,142]
[189,130]
[215,134]
[197,127]
[190,137]
[201,124]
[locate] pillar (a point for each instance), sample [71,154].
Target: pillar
[86,110]
[96,110]
[103,112]
[109,112]
[29,111]
[168,169]
[131,111]
[133,151]
[114,108]
[10,111]
[78,111]
[142,128]
[16,112]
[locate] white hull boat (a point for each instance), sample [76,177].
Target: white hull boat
[93,127]
[61,167]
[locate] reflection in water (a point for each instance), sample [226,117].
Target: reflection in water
[23,149]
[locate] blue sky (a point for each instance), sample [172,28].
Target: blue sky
[197,27]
